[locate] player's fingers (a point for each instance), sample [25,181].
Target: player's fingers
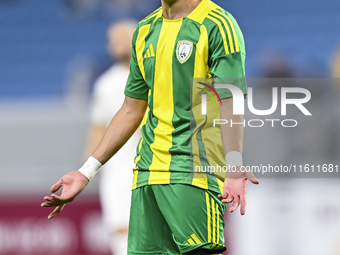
[52,214]
[223,196]
[56,186]
[57,210]
[236,203]
[48,204]
[229,199]
[44,204]
[254,180]
[243,204]
[56,197]
[63,198]
[47,198]
[52,203]
[59,199]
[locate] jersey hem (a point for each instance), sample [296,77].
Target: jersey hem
[210,187]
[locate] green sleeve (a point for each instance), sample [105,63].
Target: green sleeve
[136,86]
[227,67]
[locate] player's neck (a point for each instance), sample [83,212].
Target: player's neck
[177,9]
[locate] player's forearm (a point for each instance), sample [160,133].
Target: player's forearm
[121,128]
[95,135]
[232,135]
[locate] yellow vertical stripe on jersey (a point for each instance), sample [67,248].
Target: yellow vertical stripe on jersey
[211,138]
[163,104]
[196,239]
[201,71]
[135,178]
[208,216]
[148,52]
[217,224]
[152,51]
[233,29]
[211,145]
[139,148]
[219,24]
[213,219]
[145,118]
[220,184]
[230,39]
[140,44]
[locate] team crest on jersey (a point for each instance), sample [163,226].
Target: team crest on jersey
[184,50]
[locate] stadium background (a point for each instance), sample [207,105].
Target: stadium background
[50,54]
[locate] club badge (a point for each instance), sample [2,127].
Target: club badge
[184,50]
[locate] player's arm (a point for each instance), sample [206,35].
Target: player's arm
[121,128]
[95,134]
[235,184]
[227,62]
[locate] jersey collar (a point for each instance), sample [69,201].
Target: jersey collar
[197,13]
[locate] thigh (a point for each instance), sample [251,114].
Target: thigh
[149,233]
[195,217]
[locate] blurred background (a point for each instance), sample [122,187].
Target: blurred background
[52,52]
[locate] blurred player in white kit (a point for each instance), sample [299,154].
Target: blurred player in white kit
[117,175]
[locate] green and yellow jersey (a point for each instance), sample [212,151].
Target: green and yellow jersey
[166,56]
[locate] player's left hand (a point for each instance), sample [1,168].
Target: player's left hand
[73,183]
[235,189]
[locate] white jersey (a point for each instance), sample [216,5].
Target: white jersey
[116,175]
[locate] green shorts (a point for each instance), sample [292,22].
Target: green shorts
[175,219]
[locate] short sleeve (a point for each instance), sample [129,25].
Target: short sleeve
[227,53]
[136,86]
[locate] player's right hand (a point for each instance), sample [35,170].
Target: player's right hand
[73,183]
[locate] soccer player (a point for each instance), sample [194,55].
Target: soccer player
[108,97]
[172,212]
